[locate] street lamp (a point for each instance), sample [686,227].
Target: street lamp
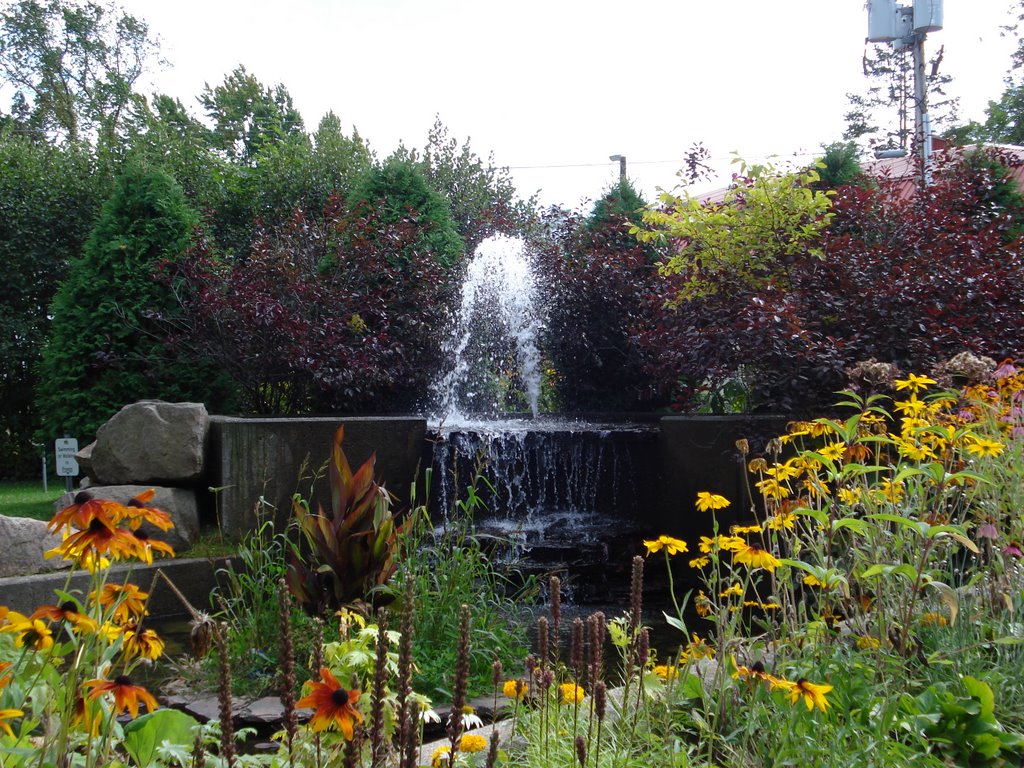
[622,165]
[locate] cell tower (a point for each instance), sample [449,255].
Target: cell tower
[903,26]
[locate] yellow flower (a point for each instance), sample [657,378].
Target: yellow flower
[699,562]
[913,450]
[32,633]
[5,715]
[934,619]
[891,491]
[440,757]
[813,694]
[813,581]
[914,383]
[782,520]
[706,501]
[145,644]
[698,649]
[763,606]
[731,543]
[514,689]
[771,489]
[833,451]
[740,529]
[571,693]
[735,589]
[868,643]
[756,557]
[980,446]
[472,742]
[666,672]
[670,545]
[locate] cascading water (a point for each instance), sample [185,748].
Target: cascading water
[494,362]
[561,495]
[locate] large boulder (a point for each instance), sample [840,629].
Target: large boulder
[179,503]
[22,544]
[152,442]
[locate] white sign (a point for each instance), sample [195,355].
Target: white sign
[65,448]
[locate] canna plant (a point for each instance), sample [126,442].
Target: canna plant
[349,554]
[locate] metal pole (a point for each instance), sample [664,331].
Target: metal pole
[922,139]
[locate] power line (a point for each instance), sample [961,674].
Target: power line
[679,161]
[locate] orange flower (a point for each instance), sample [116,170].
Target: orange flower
[137,510]
[126,695]
[128,600]
[32,633]
[333,704]
[101,536]
[145,546]
[67,611]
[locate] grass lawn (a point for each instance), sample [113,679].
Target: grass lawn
[26,498]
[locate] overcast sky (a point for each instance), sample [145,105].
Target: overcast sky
[553,87]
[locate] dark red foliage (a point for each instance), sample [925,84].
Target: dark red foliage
[598,281]
[906,281]
[337,314]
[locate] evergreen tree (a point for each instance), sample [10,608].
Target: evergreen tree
[106,347]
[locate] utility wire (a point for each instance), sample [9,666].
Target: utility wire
[795,155]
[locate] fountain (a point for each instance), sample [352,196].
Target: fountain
[562,494]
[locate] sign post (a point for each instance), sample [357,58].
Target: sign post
[65,449]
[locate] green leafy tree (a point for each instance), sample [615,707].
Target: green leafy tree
[106,346]
[749,239]
[248,115]
[882,115]
[49,199]
[397,191]
[839,166]
[481,197]
[73,66]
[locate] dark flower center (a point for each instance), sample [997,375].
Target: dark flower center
[96,525]
[82,496]
[135,503]
[141,535]
[339,696]
[68,606]
[122,680]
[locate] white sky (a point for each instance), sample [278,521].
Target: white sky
[548,83]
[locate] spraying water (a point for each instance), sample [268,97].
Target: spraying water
[493,357]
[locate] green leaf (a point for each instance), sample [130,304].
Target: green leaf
[948,597]
[144,734]
[693,687]
[981,691]
[672,621]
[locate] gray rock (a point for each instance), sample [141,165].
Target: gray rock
[152,442]
[22,544]
[84,459]
[179,503]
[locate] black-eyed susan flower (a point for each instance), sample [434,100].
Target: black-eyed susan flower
[145,546]
[781,521]
[981,446]
[914,383]
[5,715]
[697,648]
[707,500]
[101,538]
[700,562]
[472,742]
[127,600]
[333,704]
[87,716]
[812,693]
[31,633]
[69,612]
[756,557]
[515,689]
[143,643]
[138,510]
[127,695]
[670,545]
[570,693]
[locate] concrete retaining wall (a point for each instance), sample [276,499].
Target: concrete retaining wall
[252,458]
[195,577]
